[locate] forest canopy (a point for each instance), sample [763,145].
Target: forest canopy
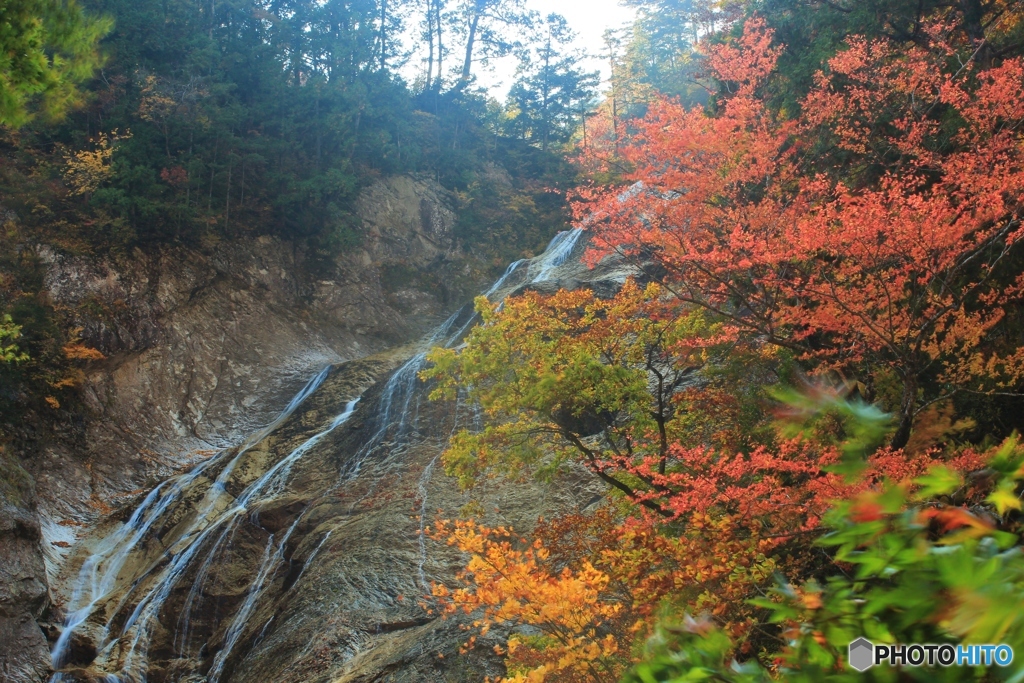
[48,49]
[210,118]
[804,405]
[141,124]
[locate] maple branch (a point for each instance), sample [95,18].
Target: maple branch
[659,414]
[1011,394]
[835,298]
[767,329]
[799,532]
[595,467]
[937,399]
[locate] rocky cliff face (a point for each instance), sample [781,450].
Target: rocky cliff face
[24,598]
[203,346]
[211,529]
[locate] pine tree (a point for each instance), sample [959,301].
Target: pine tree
[48,48]
[548,99]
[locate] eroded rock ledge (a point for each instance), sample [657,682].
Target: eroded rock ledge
[204,345]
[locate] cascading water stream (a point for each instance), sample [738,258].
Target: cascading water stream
[146,613]
[269,562]
[312,556]
[216,518]
[556,254]
[99,573]
[182,631]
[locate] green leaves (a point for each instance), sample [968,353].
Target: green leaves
[1005,497]
[47,49]
[864,426]
[551,93]
[1008,464]
[614,385]
[1009,458]
[9,332]
[930,574]
[550,373]
[939,481]
[694,653]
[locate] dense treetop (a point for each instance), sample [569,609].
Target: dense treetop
[807,416]
[48,48]
[804,406]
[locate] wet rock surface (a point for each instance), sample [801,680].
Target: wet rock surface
[23,596]
[203,346]
[298,554]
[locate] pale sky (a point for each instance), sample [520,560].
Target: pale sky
[588,18]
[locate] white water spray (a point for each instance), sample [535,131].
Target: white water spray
[216,518]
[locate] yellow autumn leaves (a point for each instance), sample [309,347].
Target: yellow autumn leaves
[87,169]
[512,584]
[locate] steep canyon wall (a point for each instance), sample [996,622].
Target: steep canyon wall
[202,346]
[247,499]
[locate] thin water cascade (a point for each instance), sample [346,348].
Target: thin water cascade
[421,489]
[183,629]
[203,537]
[269,561]
[309,560]
[99,573]
[501,280]
[271,483]
[556,254]
[398,408]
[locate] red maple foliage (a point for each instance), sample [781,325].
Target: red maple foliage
[870,231]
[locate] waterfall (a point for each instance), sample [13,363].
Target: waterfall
[556,254]
[99,573]
[266,487]
[189,537]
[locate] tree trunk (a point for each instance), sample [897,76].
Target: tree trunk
[908,404]
[227,199]
[545,92]
[430,43]
[213,170]
[974,27]
[583,119]
[383,34]
[467,65]
[355,134]
[440,45]
[316,117]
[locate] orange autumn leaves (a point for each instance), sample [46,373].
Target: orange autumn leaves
[872,228]
[579,612]
[512,583]
[613,385]
[573,380]
[871,234]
